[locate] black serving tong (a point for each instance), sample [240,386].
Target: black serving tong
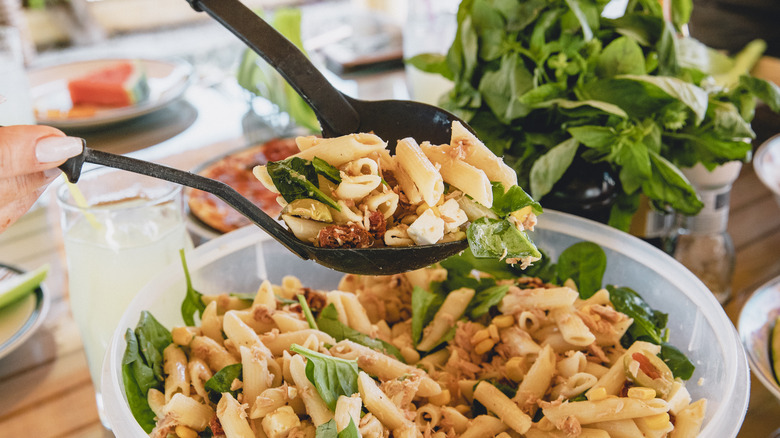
[338,114]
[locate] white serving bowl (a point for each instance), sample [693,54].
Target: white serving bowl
[755,327]
[238,261]
[766,163]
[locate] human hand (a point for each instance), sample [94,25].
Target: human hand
[29,156]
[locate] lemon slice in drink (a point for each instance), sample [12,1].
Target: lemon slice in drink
[774,345]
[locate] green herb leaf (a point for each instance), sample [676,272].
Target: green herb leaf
[649,324]
[222,381]
[767,92]
[550,167]
[296,178]
[307,312]
[332,376]
[431,63]
[677,362]
[485,299]
[498,238]
[193,300]
[323,168]
[137,377]
[622,56]
[329,430]
[142,366]
[424,306]
[328,322]
[585,263]
[512,200]
[668,185]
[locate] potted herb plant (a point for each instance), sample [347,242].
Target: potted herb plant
[596,110]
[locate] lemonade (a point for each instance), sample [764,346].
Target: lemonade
[107,267]
[124,232]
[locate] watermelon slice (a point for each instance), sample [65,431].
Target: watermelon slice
[120,84]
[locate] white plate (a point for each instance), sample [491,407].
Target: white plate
[19,320]
[49,89]
[755,326]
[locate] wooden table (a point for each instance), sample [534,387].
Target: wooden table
[45,384]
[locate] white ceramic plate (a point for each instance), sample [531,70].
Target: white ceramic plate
[19,320]
[755,326]
[49,89]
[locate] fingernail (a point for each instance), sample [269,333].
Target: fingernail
[51,149]
[52,173]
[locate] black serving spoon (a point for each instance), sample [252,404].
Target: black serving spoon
[338,114]
[367,261]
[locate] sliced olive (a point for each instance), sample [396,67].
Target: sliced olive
[648,370]
[309,209]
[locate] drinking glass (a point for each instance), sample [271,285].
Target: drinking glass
[127,228]
[15,102]
[430,28]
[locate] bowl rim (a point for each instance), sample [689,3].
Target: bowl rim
[719,422]
[749,326]
[763,176]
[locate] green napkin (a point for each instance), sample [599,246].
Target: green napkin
[19,286]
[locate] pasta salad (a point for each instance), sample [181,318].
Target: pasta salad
[469,348]
[350,192]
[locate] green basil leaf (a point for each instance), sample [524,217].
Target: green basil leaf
[431,63]
[296,178]
[329,430]
[137,378]
[222,380]
[677,362]
[331,376]
[585,263]
[424,306]
[648,324]
[193,300]
[152,340]
[323,168]
[512,200]
[485,299]
[668,185]
[307,312]
[550,167]
[622,56]
[766,91]
[498,238]
[328,322]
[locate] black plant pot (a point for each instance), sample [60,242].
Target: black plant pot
[586,189]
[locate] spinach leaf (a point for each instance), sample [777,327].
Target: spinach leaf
[307,312]
[137,378]
[585,263]
[296,178]
[142,367]
[222,380]
[506,202]
[498,238]
[328,322]
[677,362]
[193,300]
[329,430]
[323,168]
[485,299]
[152,340]
[649,325]
[424,307]
[551,166]
[332,376]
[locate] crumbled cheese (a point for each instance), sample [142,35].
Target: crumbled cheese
[427,229]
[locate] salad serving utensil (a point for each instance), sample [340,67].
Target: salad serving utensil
[338,115]
[366,261]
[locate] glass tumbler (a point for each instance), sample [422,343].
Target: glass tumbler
[15,102]
[125,230]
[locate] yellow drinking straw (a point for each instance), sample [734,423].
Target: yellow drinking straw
[81,201]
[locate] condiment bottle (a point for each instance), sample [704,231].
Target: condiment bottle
[704,245]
